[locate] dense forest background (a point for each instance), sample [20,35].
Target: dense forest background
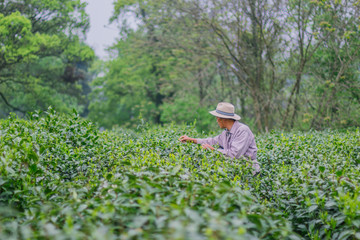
[283,64]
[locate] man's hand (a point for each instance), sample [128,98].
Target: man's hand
[184,138]
[207,146]
[187,139]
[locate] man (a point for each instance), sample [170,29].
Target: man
[235,141]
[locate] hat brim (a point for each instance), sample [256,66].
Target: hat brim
[216,114]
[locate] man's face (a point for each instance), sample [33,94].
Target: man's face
[220,121]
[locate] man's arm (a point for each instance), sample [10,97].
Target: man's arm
[205,142]
[209,141]
[187,139]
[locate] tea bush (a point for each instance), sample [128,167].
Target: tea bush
[61,178]
[313,178]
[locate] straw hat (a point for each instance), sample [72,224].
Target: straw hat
[225,110]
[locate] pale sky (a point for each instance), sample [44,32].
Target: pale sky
[101,35]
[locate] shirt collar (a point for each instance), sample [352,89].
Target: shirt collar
[233,129]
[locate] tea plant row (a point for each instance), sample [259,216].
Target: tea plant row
[61,178]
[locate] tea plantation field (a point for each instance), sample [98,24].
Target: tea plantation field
[61,178]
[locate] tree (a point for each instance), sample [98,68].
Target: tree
[34,35]
[335,66]
[303,17]
[247,37]
[134,83]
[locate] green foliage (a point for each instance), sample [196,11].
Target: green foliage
[333,82]
[309,176]
[78,51]
[134,84]
[186,110]
[62,178]
[18,41]
[51,16]
[43,60]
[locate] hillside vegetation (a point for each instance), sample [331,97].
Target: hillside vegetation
[61,178]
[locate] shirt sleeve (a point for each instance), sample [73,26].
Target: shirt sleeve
[238,146]
[211,141]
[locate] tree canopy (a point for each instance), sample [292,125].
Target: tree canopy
[43,58]
[283,64]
